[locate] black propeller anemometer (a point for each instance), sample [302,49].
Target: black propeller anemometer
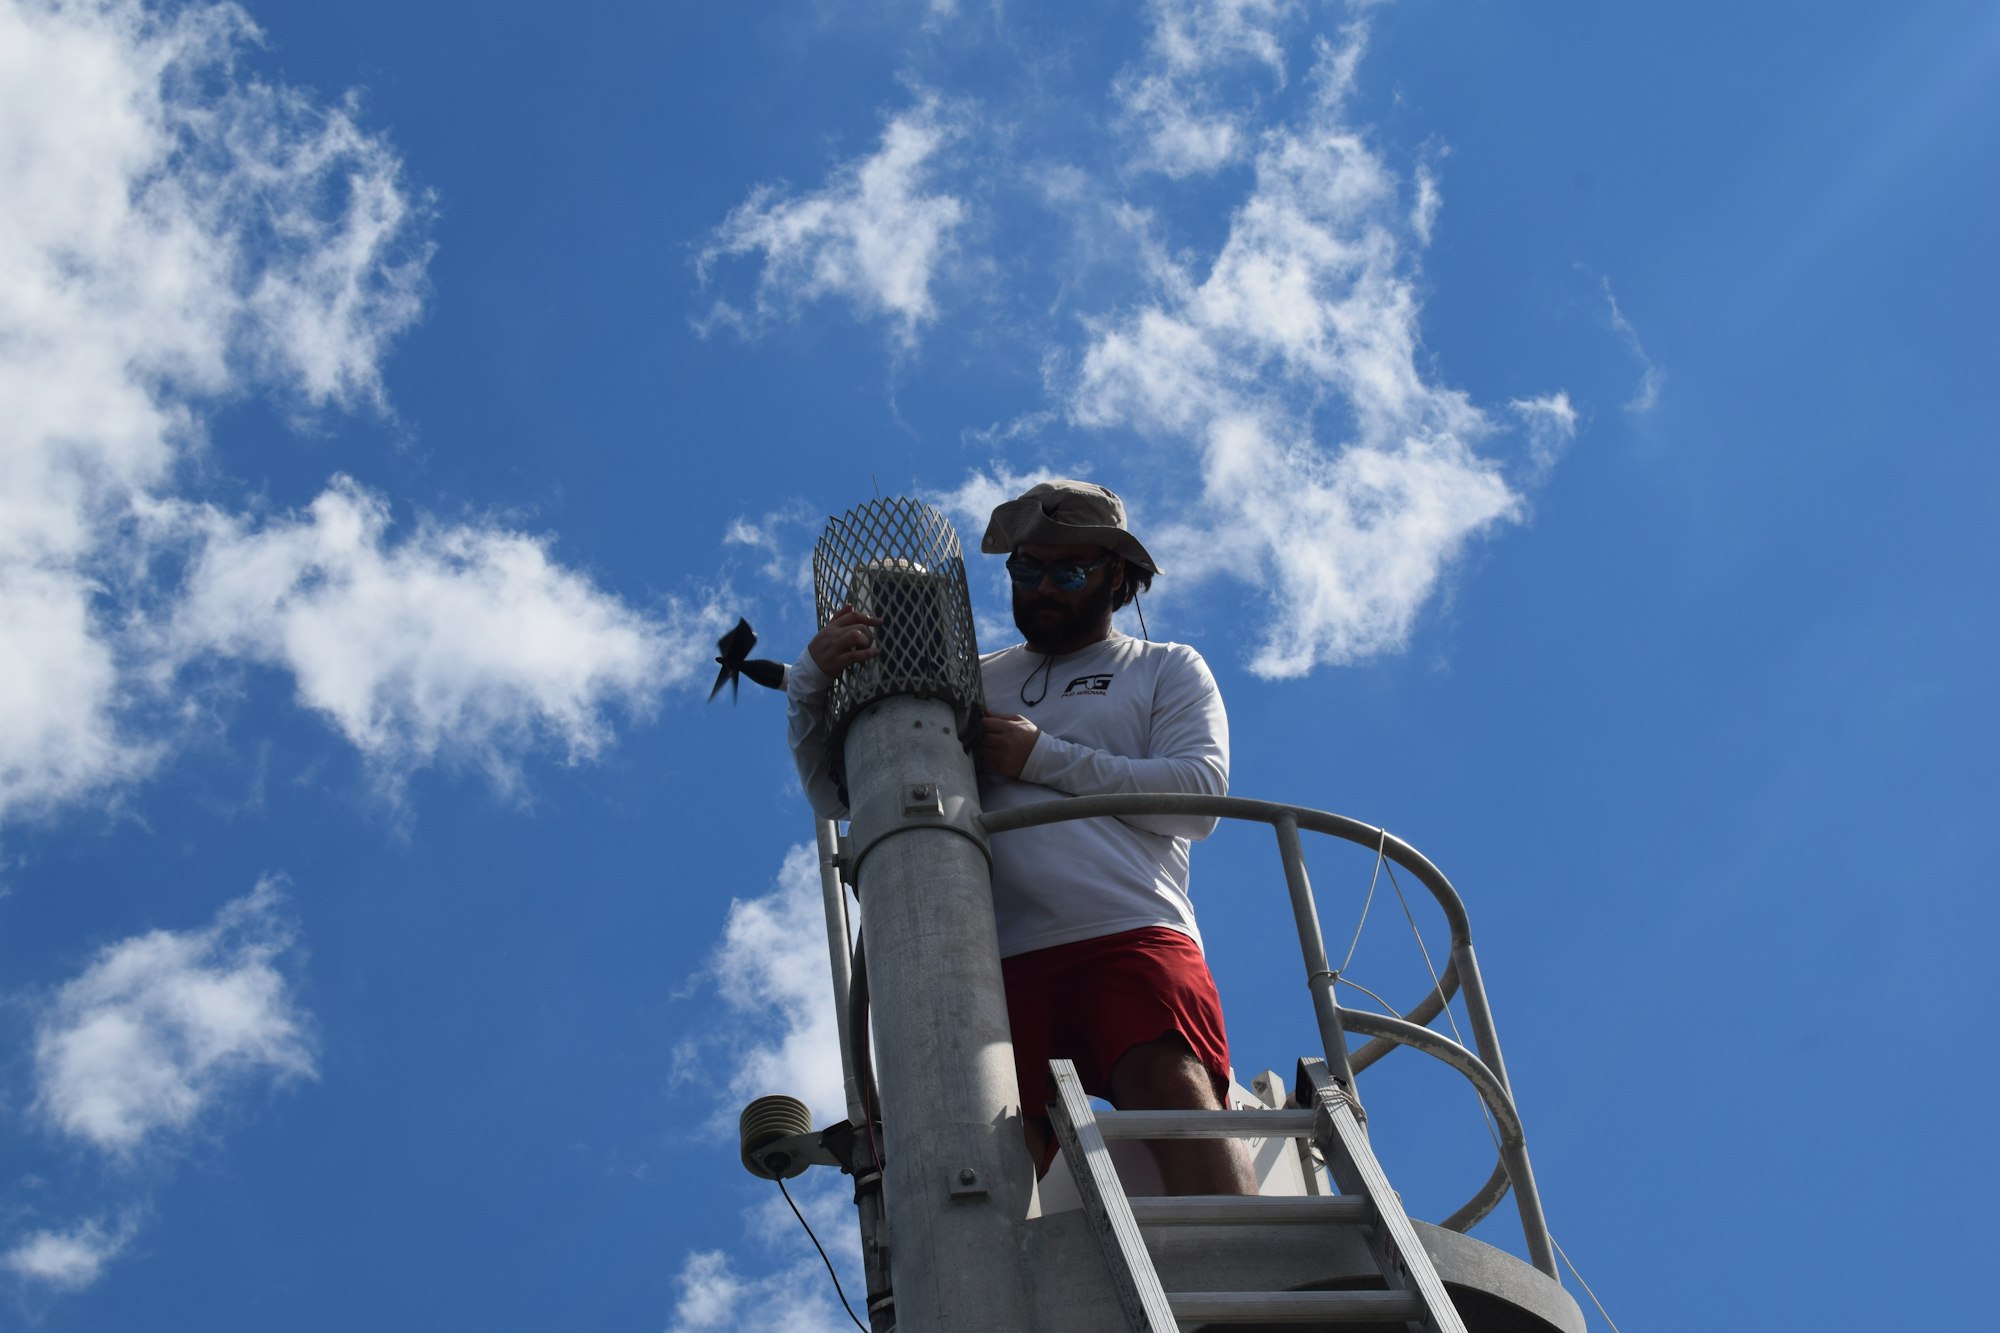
[736,662]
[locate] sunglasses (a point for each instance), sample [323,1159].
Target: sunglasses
[1067,575]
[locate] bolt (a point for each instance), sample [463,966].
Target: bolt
[966,1175]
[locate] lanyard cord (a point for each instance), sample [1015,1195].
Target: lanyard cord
[1047,666]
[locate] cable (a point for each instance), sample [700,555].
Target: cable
[1381,854]
[871,1096]
[1387,1008]
[1586,1286]
[828,1262]
[858,1035]
[1492,1132]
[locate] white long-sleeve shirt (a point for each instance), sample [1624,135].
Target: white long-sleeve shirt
[1122,715]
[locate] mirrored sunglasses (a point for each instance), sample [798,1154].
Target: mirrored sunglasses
[1066,575]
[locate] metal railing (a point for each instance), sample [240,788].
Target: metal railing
[1486,1070]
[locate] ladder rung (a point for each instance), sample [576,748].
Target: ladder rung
[1295,1307]
[1205,1124]
[1201,1209]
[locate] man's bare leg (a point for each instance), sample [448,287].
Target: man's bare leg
[1163,1075]
[1038,1146]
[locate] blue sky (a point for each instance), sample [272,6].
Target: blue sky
[1568,432]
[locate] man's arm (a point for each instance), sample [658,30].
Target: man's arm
[806,727]
[847,638]
[1188,752]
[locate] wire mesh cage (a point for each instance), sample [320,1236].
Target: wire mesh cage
[900,561]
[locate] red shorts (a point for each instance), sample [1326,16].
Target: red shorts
[1094,1000]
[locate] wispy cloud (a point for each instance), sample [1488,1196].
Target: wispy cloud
[197,234]
[778,1028]
[461,641]
[162,1025]
[193,233]
[158,1036]
[971,503]
[784,538]
[69,1260]
[1423,213]
[1550,423]
[714,1294]
[876,234]
[1334,470]
[771,971]
[1652,379]
[1176,97]
[1297,433]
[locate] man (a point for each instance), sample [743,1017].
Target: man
[1098,943]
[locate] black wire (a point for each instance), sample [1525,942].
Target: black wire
[822,1257]
[857,1042]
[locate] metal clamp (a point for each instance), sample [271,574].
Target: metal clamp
[920,805]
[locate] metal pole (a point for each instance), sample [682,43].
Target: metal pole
[1319,976]
[959,1183]
[840,954]
[867,1171]
[1527,1197]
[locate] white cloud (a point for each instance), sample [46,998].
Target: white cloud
[1156,372]
[717,1292]
[742,532]
[59,734]
[1335,472]
[68,1260]
[160,1026]
[875,234]
[785,536]
[1551,424]
[1199,34]
[193,233]
[1182,136]
[770,969]
[772,972]
[1000,433]
[972,503]
[1172,97]
[1651,379]
[197,235]
[714,1295]
[1423,213]
[461,641]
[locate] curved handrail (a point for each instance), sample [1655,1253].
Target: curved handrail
[1497,1098]
[1421,1014]
[1486,1071]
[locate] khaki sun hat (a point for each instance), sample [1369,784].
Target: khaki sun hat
[1064,513]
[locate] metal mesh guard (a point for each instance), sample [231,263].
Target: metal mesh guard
[900,560]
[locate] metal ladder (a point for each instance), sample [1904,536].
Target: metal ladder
[1414,1294]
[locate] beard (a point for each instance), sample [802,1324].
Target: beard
[1058,624]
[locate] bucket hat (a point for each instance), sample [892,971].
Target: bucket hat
[1064,513]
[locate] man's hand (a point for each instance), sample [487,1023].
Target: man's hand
[1005,742]
[848,638]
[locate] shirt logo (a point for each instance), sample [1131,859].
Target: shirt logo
[1087,685]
